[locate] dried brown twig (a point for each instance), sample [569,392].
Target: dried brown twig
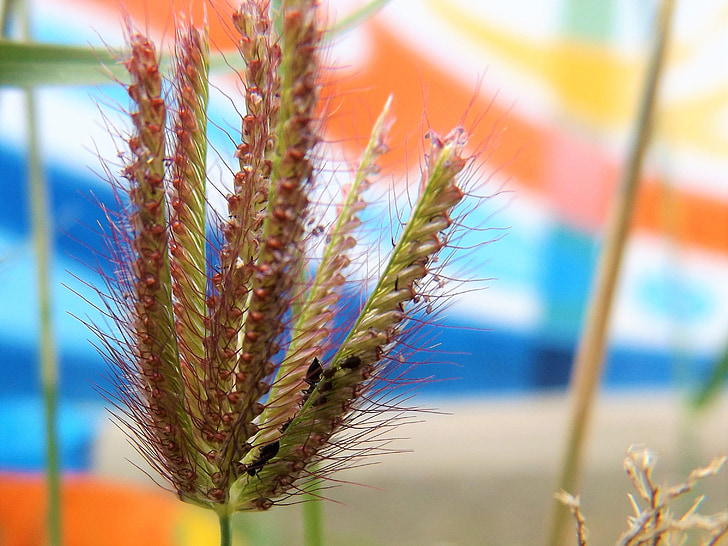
[656,524]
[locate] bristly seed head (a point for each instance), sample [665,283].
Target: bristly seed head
[230,371]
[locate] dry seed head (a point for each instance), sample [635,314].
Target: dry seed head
[656,523]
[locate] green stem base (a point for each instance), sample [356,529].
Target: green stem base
[226,530]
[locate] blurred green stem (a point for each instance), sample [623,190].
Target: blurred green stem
[41,222]
[590,354]
[313,526]
[226,529]
[40,215]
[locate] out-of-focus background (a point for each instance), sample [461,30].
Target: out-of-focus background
[557,84]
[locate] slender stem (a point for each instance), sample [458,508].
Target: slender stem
[226,529]
[48,361]
[313,521]
[41,221]
[590,355]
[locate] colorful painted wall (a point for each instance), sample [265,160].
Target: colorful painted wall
[550,91]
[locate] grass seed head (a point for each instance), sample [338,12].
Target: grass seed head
[232,371]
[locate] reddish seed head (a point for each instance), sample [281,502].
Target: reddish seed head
[263,504]
[154,128]
[157,102]
[274,243]
[133,91]
[296,154]
[241,291]
[282,214]
[285,480]
[152,206]
[187,474]
[216,494]
[305,451]
[152,71]
[288,185]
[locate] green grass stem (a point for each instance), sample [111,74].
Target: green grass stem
[226,529]
[40,217]
[313,520]
[41,235]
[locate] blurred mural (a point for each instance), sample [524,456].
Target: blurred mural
[550,86]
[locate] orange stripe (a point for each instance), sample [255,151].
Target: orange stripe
[689,219]
[93,512]
[157,17]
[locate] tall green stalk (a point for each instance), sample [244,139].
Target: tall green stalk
[48,360]
[41,222]
[590,355]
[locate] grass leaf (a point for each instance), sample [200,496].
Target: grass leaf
[25,64]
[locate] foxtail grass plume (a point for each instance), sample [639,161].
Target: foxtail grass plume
[231,375]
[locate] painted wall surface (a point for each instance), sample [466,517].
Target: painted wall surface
[553,86]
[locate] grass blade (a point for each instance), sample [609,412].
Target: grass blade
[26,64]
